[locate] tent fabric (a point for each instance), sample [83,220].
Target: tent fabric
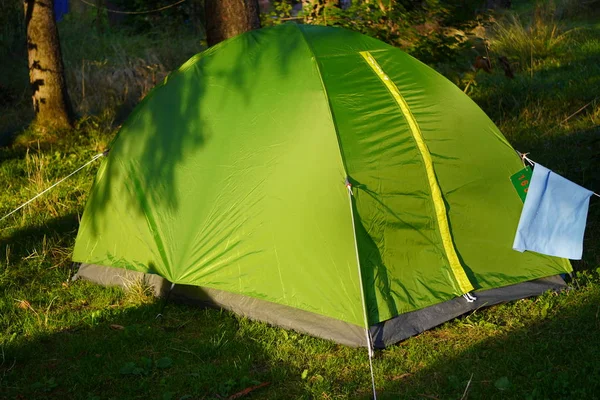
[554,216]
[230,175]
[436,196]
[383,334]
[250,307]
[406,325]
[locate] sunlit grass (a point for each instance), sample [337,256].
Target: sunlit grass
[529,43]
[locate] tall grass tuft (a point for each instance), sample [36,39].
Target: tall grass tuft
[106,86]
[530,43]
[139,291]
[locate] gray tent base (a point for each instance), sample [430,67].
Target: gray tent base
[383,334]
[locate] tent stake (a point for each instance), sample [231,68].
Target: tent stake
[164,305]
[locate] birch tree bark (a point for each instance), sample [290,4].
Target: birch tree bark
[46,70]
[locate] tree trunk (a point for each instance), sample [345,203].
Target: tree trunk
[46,71]
[228,18]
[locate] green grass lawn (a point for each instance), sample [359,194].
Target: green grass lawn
[75,340]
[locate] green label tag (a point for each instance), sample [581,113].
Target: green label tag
[520,181]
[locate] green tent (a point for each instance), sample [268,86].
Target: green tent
[317,179]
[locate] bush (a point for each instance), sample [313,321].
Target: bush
[421,28]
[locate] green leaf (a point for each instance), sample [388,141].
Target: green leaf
[304,374]
[502,383]
[164,363]
[146,363]
[544,311]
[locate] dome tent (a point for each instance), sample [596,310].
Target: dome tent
[317,179]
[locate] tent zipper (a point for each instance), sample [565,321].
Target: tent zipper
[458,271]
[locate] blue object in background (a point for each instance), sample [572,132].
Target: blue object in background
[554,216]
[61,7]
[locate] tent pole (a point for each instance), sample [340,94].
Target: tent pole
[362,294]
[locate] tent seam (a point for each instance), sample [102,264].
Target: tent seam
[339,142]
[337,134]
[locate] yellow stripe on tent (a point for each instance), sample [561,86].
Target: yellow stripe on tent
[436,194]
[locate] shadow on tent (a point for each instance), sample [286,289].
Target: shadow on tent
[169,136]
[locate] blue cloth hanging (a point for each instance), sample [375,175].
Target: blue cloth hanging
[554,216]
[61,7]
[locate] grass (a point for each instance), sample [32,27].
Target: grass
[64,339]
